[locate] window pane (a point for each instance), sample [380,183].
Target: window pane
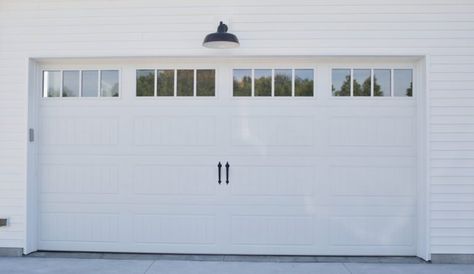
[362,82]
[382,82]
[109,85]
[263,82]
[283,79]
[90,83]
[145,82]
[51,83]
[165,82]
[71,83]
[402,82]
[185,82]
[304,82]
[206,82]
[242,82]
[341,82]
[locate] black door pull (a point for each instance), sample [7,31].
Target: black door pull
[227,173]
[219,166]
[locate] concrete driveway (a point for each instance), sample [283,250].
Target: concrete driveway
[17,265]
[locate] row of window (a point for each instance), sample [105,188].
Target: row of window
[372,82]
[273,82]
[81,83]
[181,82]
[246,82]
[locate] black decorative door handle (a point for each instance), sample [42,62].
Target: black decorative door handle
[219,166]
[227,173]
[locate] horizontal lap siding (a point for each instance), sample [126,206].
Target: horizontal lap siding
[12,152]
[452,162]
[443,29]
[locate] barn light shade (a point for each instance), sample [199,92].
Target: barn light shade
[221,39]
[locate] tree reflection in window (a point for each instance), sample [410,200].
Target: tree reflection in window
[185,82]
[205,82]
[165,82]
[283,82]
[242,82]
[403,82]
[145,82]
[341,82]
[382,82]
[304,82]
[400,85]
[109,85]
[362,82]
[263,82]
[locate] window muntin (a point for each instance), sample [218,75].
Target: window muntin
[382,82]
[273,82]
[80,83]
[175,82]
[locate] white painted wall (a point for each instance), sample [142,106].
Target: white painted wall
[443,30]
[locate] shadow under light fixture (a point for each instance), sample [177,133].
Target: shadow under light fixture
[221,39]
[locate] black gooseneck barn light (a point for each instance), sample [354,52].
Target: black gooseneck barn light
[221,39]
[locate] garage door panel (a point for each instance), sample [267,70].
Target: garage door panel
[266,230]
[373,151]
[371,131]
[130,199]
[283,229]
[161,229]
[272,180]
[174,180]
[372,181]
[79,179]
[368,210]
[137,179]
[80,227]
[175,131]
[73,130]
[374,201]
[271,131]
[372,107]
[372,230]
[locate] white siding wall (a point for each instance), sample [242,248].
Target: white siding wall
[441,29]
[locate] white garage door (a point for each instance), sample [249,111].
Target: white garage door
[322,158]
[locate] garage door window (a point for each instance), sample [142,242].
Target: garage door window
[402,82]
[81,83]
[52,84]
[171,82]
[372,82]
[273,82]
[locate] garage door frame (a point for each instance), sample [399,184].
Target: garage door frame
[421,64]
